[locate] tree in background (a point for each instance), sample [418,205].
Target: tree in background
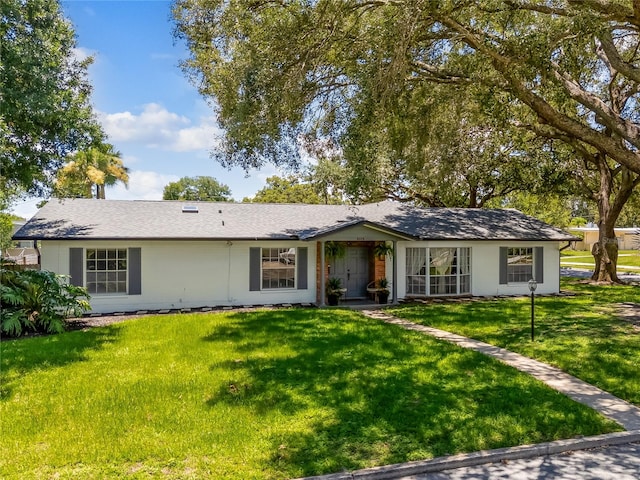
[630,215]
[6,219]
[565,71]
[436,147]
[45,113]
[552,208]
[328,174]
[6,230]
[89,172]
[202,189]
[286,190]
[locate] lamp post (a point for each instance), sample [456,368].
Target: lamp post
[532,288]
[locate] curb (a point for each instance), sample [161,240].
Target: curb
[485,456]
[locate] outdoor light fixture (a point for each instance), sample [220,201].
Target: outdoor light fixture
[532,288]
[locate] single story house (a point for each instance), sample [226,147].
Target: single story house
[152,255]
[24,252]
[627,238]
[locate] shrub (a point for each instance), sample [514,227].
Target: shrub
[38,301]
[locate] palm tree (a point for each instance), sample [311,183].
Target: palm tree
[98,167]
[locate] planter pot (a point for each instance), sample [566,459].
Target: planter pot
[383,298]
[332,299]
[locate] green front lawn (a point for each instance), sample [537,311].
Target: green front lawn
[263,395]
[578,334]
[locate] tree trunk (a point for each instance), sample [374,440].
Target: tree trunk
[605,253]
[610,198]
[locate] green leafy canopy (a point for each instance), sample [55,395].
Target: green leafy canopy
[45,112]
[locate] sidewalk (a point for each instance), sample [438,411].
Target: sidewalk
[616,462]
[584,264]
[622,412]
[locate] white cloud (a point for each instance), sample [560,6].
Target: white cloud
[163,56]
[154,124]
[129,160]
[80,53]
[143,185]
[200,137]
[156,127]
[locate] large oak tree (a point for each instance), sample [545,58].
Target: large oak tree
[566,71]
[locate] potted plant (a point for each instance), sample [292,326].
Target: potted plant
[334,290]
[382,250]
[335,250]
[382,290]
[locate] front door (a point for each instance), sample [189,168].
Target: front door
[353,270]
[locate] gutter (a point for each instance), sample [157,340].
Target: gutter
[567,245]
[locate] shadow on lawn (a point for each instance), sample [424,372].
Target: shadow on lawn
[21,356]
[373,394]
[579,334]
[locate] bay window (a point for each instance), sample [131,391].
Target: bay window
[446,271]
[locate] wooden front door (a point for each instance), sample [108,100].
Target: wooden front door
[353,270]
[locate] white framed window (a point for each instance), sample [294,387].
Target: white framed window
[106,270]
[278,268]
[446,271]
[416,271]
[519,264]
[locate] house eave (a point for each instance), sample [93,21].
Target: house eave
[161,239]
[360,223]
[498,239]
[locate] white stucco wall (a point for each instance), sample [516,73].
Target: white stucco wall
[485,266]
[187,274]
[190,274]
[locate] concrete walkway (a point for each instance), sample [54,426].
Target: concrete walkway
[612,407]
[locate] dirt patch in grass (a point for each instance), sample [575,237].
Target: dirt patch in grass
[629,312]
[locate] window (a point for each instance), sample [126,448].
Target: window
[465,270]
[106,270]
[416,271]
[443,269]
[448,272]
[278,268]
[519,265]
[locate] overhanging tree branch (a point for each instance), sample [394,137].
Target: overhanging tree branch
[609,118]
[505,66]
[624,68]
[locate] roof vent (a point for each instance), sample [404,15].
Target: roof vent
[189,209]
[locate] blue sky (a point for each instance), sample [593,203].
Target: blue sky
[150,111]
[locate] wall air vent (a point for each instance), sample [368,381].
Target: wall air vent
[189,209]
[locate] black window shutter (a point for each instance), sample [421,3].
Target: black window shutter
[538,263]
[134,264]
[301,261]
[254,269]
[504,258]
[76,263]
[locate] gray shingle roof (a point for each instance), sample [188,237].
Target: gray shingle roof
[139,219]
